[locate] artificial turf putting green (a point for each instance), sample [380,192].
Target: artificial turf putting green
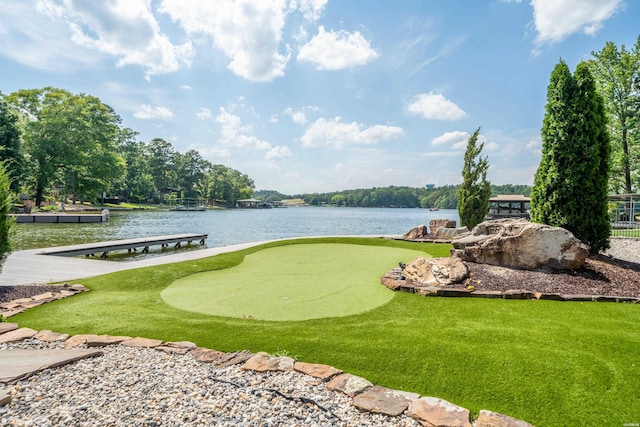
[295,282]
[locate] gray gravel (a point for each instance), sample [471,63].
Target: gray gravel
[145,387]
[624,248]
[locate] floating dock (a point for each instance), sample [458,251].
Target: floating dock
[54,218]
[102,249]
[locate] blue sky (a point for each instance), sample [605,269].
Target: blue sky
[318,95]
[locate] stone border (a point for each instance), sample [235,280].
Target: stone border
[17,306]
[364,395]
[393,281]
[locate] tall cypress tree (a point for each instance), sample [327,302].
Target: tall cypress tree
[475,191]
[570,186]
[592,153]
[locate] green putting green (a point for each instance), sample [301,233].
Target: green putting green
[293,282]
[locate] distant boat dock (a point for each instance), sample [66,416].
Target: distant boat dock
[60,217]
[103,248]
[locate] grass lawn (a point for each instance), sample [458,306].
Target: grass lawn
[549,363]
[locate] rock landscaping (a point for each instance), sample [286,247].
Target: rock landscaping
[125,381]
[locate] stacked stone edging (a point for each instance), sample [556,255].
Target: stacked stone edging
[364,395]
[395,281]
[11,308]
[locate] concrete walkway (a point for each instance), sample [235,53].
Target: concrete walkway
[30,267]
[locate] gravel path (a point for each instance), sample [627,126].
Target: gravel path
[146,387]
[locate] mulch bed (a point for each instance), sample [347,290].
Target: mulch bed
[601,275]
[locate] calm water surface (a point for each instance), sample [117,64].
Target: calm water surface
[227,227]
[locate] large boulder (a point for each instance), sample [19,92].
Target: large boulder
[436,224]
[518,243]
[435,271]
[416,233]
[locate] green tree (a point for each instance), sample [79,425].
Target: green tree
[617,72]
[11,145]
[6,221]
[69,139]
[570,185]
[475,191]
[161,155]
[137,184]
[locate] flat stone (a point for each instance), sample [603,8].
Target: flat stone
[316,370]
[486,294]
[141,342]
[6,327]
[231,359]
[494,419]
[171,350]
[17,335]
[630,300]
[206,355]
[431,411]
[16,365]
[453,292]
[5,396]
[427,291]
[49,336]
[605,298]
[578,297]
[263,362]
[105,340]
[550,297]
[46,296]
[349,384]
[382,400]
[182,344]
[179,347]
[9,313]
[518,294]
[78,288]
[77,340]
[21,301]
[8,305]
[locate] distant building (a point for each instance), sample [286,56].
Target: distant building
[509,206]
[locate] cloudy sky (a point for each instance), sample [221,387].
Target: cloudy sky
[318,95]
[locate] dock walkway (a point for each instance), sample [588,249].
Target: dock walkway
[104,248]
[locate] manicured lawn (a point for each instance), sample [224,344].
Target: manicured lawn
[549,363]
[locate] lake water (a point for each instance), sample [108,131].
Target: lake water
[227,227]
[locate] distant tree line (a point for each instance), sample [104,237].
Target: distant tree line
[57,145]
[444,197]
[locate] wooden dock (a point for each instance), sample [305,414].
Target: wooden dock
[102,249]
[56,218]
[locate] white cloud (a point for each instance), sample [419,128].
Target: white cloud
[124,29]
[185,87]
[337,50]
[555,20]
[39,38]
[147,112]
[204,114]
[278,152]
[435,106]
[491,146]
[311,9]
[249,32]
[451,138]
[334,133]
[298,117]
[213,152]
[234,134]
